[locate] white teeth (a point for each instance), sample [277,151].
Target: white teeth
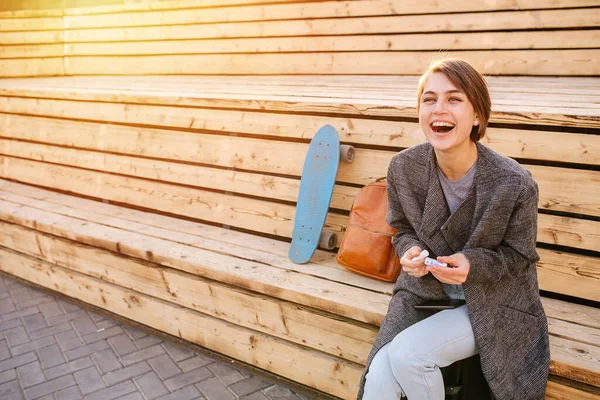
[440,123]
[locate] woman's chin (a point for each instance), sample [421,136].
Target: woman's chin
[441,142]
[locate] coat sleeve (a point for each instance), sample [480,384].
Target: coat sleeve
[406,236]
[517,251]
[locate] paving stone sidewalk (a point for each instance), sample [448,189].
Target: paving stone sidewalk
[52,349]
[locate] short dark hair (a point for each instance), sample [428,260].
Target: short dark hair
[467,79]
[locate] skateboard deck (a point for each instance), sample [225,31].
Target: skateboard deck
[316,188]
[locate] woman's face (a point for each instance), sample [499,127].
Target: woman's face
[446,115]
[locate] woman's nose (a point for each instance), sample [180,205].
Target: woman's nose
[440,107]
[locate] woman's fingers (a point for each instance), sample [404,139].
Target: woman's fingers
[411,264]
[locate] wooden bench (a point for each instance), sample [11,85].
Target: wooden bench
[170,199]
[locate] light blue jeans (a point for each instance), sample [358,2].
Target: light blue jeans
[410,363]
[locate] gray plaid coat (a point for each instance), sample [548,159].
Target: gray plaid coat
[495,228]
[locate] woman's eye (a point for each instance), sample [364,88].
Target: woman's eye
[428,100]
[454,99]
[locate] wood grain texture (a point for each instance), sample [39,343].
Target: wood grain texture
[499,62]
[329,374]
[530,144]
[575,17]
[559,272]
[563,231]
[237,244]
[572,355]
[529,101]
[414,42]
[313,328]
[247,274]
[557,391]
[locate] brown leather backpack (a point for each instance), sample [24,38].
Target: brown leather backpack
[367,245]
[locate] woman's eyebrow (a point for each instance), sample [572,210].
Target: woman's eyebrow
[447,92]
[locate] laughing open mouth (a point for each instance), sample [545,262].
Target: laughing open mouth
[442,127]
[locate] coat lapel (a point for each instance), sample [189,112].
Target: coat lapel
[457,229]
[435,212]
[484,179]
[443,233]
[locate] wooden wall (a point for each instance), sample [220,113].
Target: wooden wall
[283,37]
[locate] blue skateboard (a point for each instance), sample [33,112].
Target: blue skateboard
[316,188]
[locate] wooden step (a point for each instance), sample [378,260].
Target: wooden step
[561,189]
[559,272]
[316,329]
[556,230]
[318,370]
[530,144]
[406,21]
[240,272]
[500,62]
[362,96]
[576,39]
[573,328]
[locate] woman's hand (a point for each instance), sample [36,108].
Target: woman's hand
[457,274]
[412,267]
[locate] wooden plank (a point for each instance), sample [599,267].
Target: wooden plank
[561,189]
[134,92]
[237,244]
[555,183]
[333,297]
[567,352]
[31,13]
[240,182]
[571,232]
[575,332]
[395,93]
[513,102]
[569,274]
[563,231]
[181,231]
[355,130]
[502,21]
[321,371]
[399,88]
[32,51]
[319,10]
[558,272]
[174,4]
[560,310]
[576,361]
[501,62]
[301,101]
[552,265]
[31,67]
[31,37]
[30,23]
[351,130]
[575,313]
[557,391]
[241,212]
[535,144]
[358,83]
[408,7]
[224,151]
[313,328]
[57,279]
[461,41]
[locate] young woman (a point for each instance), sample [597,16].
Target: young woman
[476,211]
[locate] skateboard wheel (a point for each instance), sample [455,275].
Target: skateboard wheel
[328,240]
[347,153]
